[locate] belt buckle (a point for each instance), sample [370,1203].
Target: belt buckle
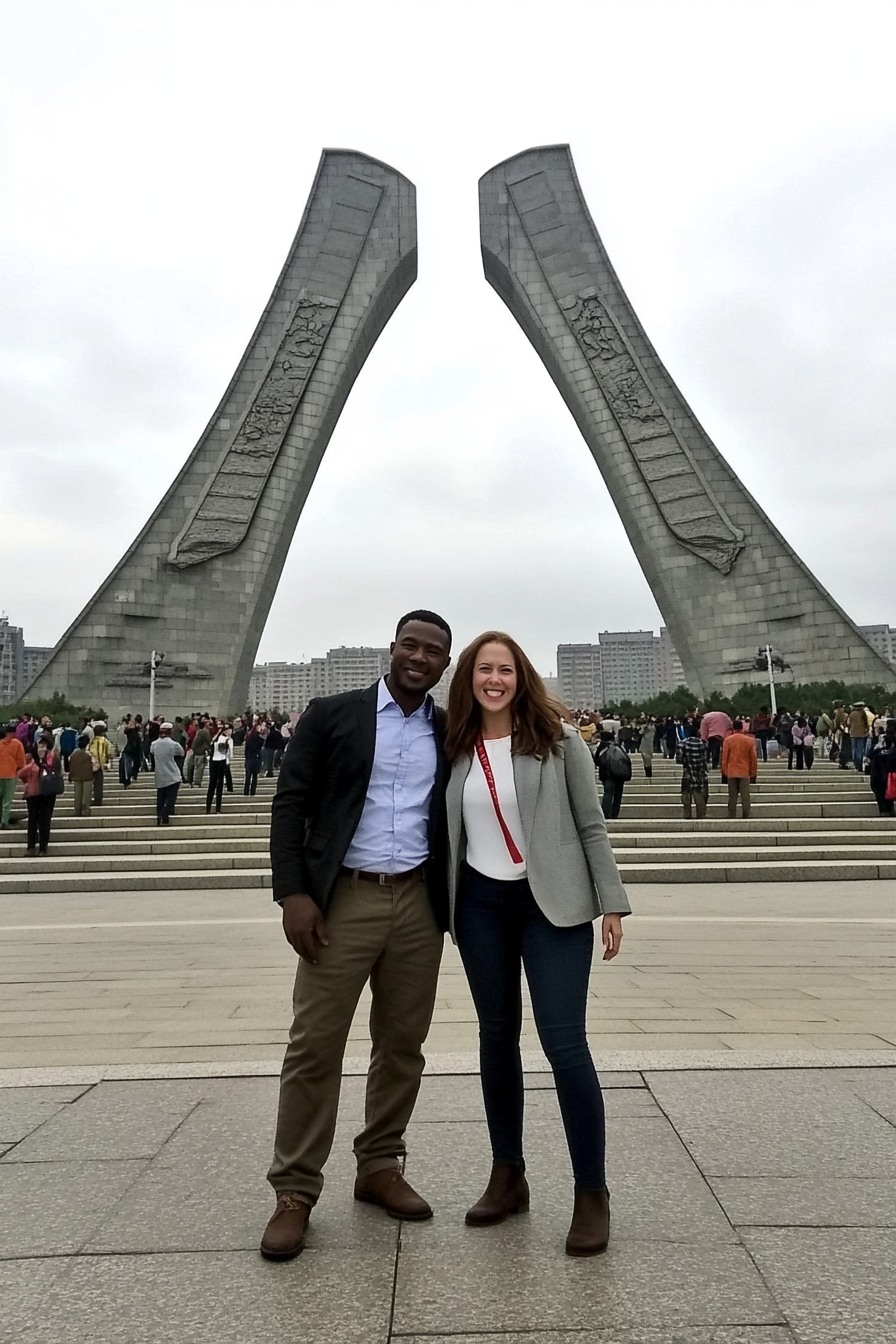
[381,878]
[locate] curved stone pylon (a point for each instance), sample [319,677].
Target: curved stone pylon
[198,582]
[723,577]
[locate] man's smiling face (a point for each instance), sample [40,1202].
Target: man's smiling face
[420,654]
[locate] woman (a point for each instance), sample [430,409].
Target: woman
[803,742]
[254,743]
[219,766]
[530,869]
[645,746]
[883,768]
[132,752]
[40,797]
[761,728]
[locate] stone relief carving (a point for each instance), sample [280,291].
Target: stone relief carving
[672,476]
[221,520]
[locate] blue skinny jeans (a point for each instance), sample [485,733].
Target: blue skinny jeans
[500,929]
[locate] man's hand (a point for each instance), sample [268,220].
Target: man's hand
[304,926]
[611,935]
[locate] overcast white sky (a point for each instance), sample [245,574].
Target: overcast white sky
[738,160]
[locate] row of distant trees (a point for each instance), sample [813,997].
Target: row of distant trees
[812,697]
[62,710]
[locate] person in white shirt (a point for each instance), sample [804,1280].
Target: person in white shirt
[219,765]
[530,868]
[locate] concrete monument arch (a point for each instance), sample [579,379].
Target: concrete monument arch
[722,575]
[199,580]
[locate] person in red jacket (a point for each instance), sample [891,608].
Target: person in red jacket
[739,767]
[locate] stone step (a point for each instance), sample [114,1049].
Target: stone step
[132,871]
[44,882]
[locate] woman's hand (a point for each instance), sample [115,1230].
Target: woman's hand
[611,935]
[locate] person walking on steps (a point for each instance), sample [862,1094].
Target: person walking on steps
[530,869]
[739,768]
[80,773]
[693,754]
[42,777]
[12,760]
[359,867]
[219,766]
[167,758]
[252,760]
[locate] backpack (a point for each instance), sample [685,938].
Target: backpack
[68,741]
[619,764]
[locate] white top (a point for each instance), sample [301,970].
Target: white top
[223,749]
[487,850]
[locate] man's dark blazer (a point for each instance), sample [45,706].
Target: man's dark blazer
[321,794]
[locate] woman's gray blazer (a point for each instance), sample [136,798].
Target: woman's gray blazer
[569,862]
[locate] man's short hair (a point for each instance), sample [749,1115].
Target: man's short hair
[83,742]
[738,725]
[429,617]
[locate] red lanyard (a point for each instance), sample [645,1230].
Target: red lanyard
[490,781]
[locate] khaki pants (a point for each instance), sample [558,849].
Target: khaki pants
[699,797]
[387,935]
[83,792]
[739,787]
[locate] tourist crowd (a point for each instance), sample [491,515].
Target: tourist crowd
[855,737]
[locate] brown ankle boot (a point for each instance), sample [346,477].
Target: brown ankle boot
[507,1192]
[589,1231]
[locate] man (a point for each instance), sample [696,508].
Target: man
[857,727]
[167,757]
[739,767]
[714,728]
[100,749]
[80,774]
[12,760]
[614,768]
[202,744]
[357,852]
[694,756]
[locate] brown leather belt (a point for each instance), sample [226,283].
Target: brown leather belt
[384,879]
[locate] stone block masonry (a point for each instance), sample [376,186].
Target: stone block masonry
[199,580]
[723,577]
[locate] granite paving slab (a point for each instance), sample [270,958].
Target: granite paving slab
[23,1287]
[833,1284]
[807,1201]
[509,1281]
[692,1334]
[794,1123]
[113,1121]
[54,1207]
[212,1298]
[25,1109]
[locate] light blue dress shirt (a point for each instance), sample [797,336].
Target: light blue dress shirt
[393,833]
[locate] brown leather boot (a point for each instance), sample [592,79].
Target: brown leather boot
[390,1191]
[507,1192]
[589,1231]
[284,1236]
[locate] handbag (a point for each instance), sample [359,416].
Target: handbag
[890,794]
[51,785]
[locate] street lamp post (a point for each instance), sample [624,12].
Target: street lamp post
[771,679]
[154,660]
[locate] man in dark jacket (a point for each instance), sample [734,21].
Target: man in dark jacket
[357,853]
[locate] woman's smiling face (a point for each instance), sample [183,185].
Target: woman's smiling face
[494,678]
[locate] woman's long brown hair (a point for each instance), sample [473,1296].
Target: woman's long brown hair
[537,726]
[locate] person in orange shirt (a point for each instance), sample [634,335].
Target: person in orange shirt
[739,767]
[12,760]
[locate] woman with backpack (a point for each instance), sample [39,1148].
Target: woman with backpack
[42,777]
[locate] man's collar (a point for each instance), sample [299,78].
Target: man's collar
[384,698]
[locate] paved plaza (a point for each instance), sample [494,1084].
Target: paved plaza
[746,1039]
